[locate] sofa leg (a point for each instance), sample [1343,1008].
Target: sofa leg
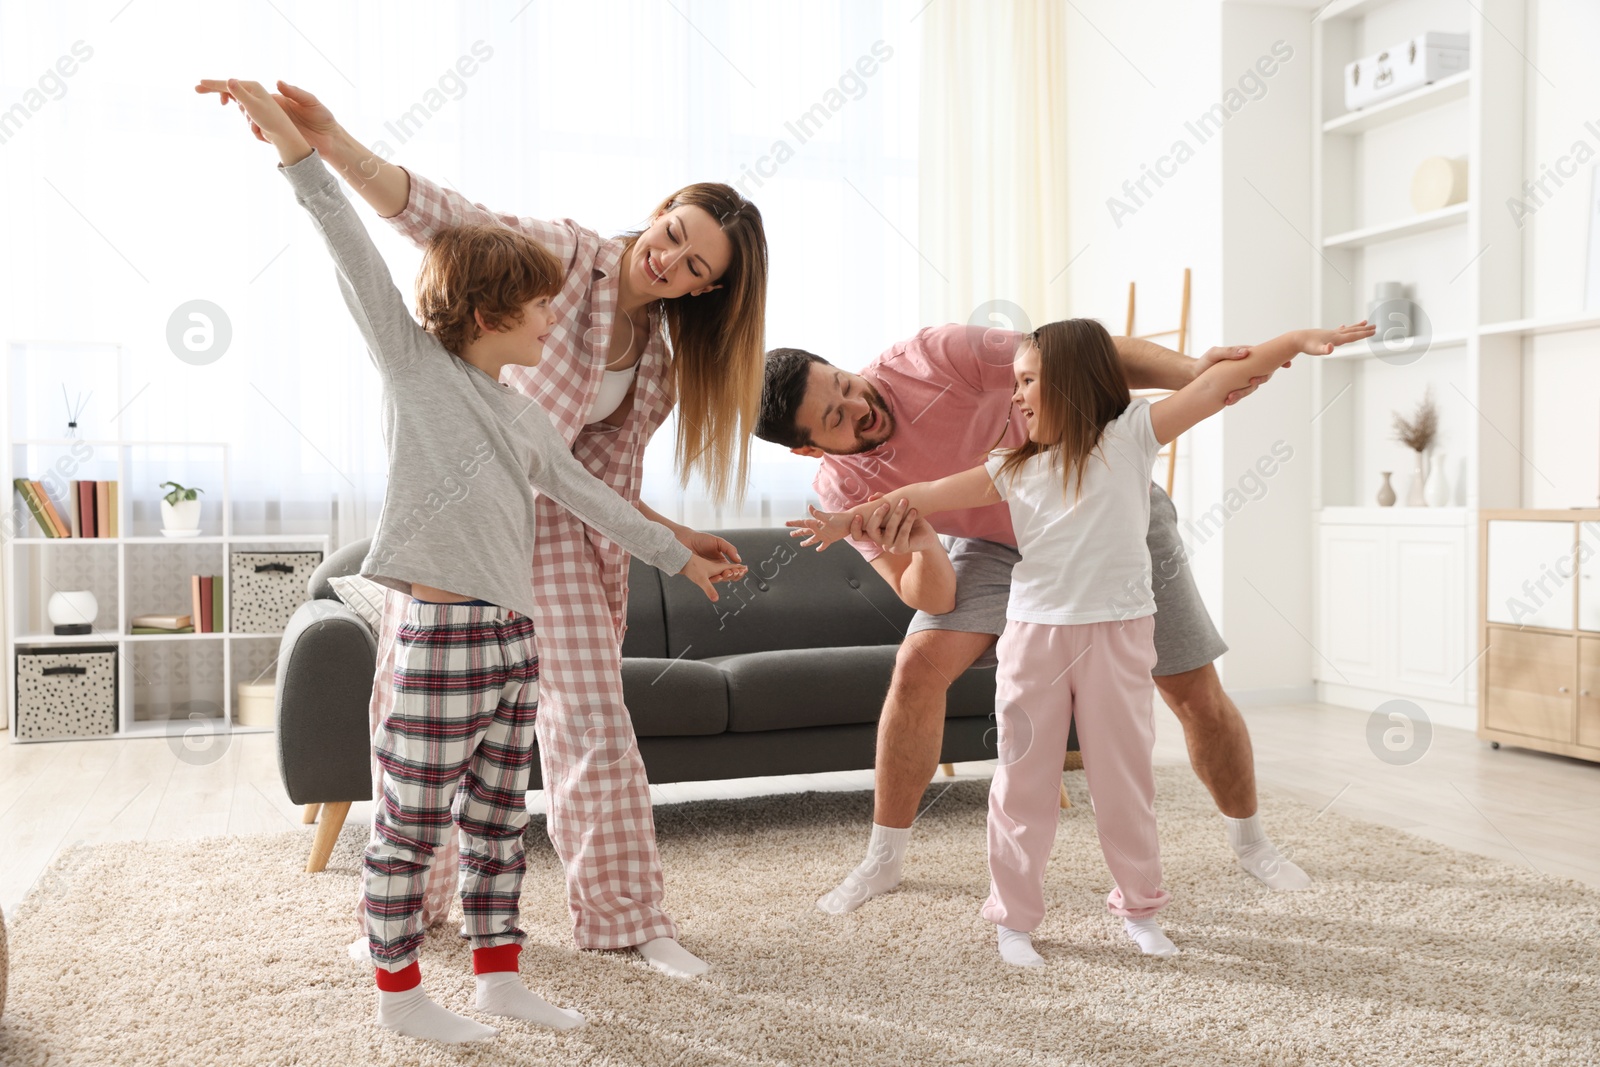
[309,816]
[949,769]
[1066,801]
[327,835]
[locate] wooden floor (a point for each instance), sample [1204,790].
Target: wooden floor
[1522,807]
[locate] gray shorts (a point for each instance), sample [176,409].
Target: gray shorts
[1185,636]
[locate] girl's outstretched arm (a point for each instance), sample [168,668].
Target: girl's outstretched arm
[969,489]
[1208,393]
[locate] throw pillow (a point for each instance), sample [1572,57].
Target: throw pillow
[363,596]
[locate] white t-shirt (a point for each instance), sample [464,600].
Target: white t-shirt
[1084,560]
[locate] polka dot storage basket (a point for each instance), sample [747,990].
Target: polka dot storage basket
[66,691]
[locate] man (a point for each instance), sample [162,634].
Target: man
[933,406]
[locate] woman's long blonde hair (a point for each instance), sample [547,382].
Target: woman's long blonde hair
[718,347]
[1081,389]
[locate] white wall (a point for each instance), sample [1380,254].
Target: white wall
[1561,372]
[1134,104]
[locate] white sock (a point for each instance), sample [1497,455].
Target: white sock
[1016,948]
[502,993]
[361,950]
[877,874]
[669,957]
[413,1014]
[1146,933]
[1260,857]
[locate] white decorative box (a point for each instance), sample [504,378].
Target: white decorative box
[66,691]
[1410,64]
[265,588]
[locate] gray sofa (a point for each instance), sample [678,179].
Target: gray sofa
[786,674]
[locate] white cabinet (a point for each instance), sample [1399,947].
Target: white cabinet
[1589,576]
[1529,573]
[1392,612]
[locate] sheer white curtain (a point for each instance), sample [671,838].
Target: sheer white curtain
[992,196]
[128,196]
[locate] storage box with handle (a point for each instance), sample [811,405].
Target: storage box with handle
[1426,58]
[66,691]
[265,588]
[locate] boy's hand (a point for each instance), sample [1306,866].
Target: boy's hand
[823,528]
[268,120]
[1322,342]
[703,572]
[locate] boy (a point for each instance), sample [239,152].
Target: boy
[465,457]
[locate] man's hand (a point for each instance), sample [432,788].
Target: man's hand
[704,572]
[899,530]
[268,120]
[1214,356]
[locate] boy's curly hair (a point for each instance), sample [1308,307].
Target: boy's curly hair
[489,269]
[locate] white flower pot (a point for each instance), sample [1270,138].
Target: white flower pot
[184,515]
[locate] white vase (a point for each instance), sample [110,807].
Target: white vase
[1414,491]
[1437,490]
[184,515]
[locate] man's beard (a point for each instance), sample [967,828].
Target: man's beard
[885,423]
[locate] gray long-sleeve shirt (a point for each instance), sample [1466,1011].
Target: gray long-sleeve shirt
[465,452]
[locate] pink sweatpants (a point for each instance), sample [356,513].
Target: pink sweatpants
[1100,673]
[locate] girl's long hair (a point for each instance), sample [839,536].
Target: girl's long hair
[1081,389]
[719,348]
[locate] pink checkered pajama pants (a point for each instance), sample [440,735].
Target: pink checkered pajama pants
[1098,673]
[456,749]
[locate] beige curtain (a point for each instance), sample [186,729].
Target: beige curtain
[992,162]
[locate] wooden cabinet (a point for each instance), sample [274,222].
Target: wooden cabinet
[1539,675]
[1589,692]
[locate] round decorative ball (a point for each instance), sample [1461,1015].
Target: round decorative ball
[76,608]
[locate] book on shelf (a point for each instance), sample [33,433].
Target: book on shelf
[111,495]
[216,604]
[140,630]
[102,509]
[50,511]
[24,489]
[194,603]
[162,622]
[74,527]
[86,508]
[208,623]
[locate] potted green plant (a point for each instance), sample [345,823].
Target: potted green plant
[180,510]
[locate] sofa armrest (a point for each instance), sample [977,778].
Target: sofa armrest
[325,667]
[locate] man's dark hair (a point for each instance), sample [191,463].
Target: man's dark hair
[782,393]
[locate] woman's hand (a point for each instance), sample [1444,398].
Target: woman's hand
[268,120]
[704,572]
[708,546]
[309,115]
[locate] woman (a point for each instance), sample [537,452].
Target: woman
[696,275]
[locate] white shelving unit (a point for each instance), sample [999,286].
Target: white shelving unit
[141,572]
[1394,585]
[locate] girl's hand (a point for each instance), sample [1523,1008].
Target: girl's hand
[1322,342]
[704,572]
[823,528]
[268,120]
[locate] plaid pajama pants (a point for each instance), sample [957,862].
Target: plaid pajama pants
[454,750]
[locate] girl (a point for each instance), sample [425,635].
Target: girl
[696,277]
[1080,619]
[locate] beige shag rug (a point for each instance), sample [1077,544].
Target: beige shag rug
[1405,952]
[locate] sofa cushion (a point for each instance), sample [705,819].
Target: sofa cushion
[791,688]
[792,598]
[346,560]
[674,698]
[647,628]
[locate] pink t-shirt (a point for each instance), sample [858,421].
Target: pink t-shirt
[949,391]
